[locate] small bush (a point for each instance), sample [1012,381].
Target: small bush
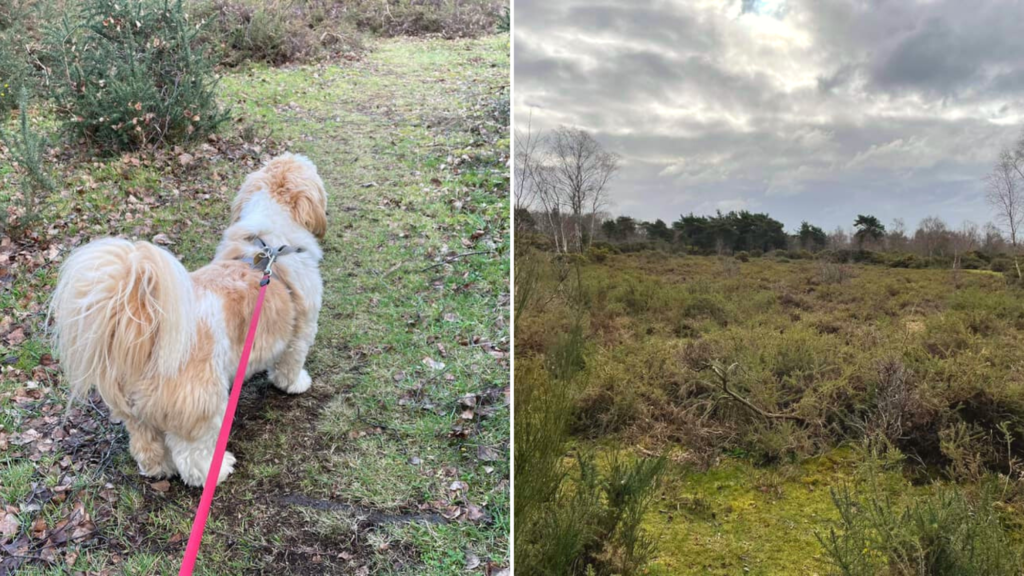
[22,208]
[598,254]
[833,272]
[947,533]
[742,256]
[505,20]
[445,18]
[756,253]
[570,517]
[1001,264]
[630,247]
[15,72]
[971,262]
[277,33]
[134,75]
[904,261]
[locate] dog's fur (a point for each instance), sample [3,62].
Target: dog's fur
[162,345]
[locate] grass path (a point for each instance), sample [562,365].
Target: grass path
[396,461]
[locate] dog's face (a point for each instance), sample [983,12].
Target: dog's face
[293,182]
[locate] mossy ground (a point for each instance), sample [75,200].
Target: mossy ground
[381,467]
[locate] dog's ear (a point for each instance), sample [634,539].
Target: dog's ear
[316,222]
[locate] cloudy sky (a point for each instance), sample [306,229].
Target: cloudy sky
[806,109]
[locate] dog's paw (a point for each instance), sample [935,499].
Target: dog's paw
[302,383]
[163,470]
[226,467]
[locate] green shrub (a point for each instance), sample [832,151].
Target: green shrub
[630,247]
[706,306]
[756,253]
[944,534]
[23,208]
[1002,264]
[505,20]
[903,261]
[833,272]
[598,254]
[570,517]
[15,72]
[638,294]
[742,256]
[970,263]
[568,357]
[133,74]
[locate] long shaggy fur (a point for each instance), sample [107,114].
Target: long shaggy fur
[161,345]
[124,312]
[292,181]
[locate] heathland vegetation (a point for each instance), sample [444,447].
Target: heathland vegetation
[716,395]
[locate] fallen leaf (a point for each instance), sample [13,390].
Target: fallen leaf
[472,561]
[162,239]
[16,336]
[185,159]
[487,454]
[433,363]
[458,485]
[161,486]
[474,513]
[9,525]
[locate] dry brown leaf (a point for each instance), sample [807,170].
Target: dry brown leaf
[9,525]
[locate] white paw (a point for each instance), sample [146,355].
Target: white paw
[226,467]
[162,471]
[301,384]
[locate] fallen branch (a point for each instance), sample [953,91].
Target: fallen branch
[723,377]
[450,259]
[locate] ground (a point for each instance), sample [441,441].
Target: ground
[901,386]
[396,461]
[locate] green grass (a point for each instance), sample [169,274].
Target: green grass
[358,472]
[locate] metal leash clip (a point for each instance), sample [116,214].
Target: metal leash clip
[266,256]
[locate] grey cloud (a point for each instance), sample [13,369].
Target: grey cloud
[889,106]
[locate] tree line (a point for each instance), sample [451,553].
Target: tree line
[562,181]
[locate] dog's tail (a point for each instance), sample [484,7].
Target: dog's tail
[123,313]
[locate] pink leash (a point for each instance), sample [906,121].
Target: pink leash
[199,524]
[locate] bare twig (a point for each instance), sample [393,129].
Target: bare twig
[723,374]
[450,259]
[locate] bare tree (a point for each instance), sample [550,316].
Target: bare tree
[1005,193]
[580,172]
[527,158]
[932,236]
[838,239]
[993,242]
[896,239]
[964,240]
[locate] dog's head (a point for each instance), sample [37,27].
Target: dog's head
[292,181]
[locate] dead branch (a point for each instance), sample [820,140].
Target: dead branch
[723,374]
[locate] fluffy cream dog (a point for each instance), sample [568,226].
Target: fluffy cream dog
[162,345]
